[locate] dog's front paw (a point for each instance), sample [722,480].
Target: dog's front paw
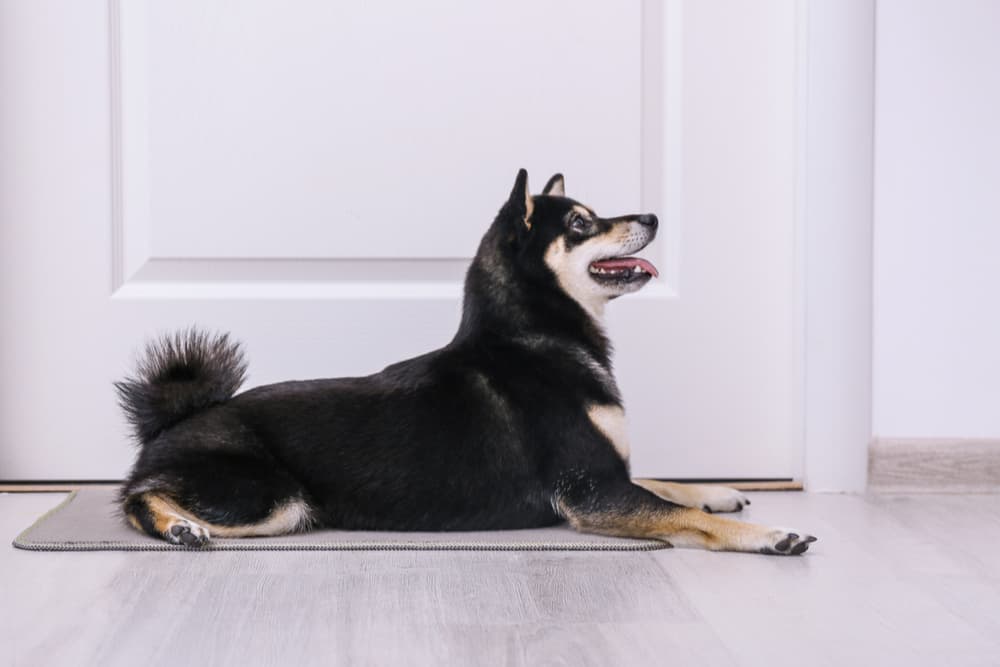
[722,499]
[786,543]
[187,533]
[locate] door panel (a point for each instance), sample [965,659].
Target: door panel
[383,129]
[315,179]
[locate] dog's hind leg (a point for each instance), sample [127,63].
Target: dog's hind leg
[216,495]
[707,497]
[612,506]
[159,515]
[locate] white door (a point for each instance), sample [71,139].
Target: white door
[315,176]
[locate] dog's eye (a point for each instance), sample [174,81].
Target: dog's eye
[579,224]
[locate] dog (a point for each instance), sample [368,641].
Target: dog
[515,423]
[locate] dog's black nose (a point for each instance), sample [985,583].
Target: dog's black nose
[648,219]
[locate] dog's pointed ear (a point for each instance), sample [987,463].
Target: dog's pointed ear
[519,204]
[556,186]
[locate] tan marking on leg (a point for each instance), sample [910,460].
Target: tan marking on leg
[610,420]
[712,497]
[686,527]
[291,517]
[135,522]
[166,513]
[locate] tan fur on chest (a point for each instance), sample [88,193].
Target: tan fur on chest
[610,420]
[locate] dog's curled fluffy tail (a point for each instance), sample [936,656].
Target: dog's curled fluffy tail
[177,376]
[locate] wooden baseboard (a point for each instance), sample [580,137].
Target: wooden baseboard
[742,484]
[49,487]
[934,465]
[789,485]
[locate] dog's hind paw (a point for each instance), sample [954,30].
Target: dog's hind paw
[722,499]
[785,543]
[187,533]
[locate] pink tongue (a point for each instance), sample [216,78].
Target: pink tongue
[628,263]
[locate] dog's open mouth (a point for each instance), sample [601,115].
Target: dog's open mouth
[625,269]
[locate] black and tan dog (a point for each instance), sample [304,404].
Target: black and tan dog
[516,423]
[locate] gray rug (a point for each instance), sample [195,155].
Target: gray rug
[88,520]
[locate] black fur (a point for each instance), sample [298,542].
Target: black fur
[490,431]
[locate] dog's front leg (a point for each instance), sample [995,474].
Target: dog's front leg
[707,497]
[612,506]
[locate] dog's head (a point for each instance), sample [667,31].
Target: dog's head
[590,257]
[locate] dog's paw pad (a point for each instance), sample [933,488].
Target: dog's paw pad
[786,541]
[788,544]
[188,534]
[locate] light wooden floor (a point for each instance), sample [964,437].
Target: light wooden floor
[903,580]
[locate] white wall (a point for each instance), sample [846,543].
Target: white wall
[937,219]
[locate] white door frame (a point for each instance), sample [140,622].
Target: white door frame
[835,208]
